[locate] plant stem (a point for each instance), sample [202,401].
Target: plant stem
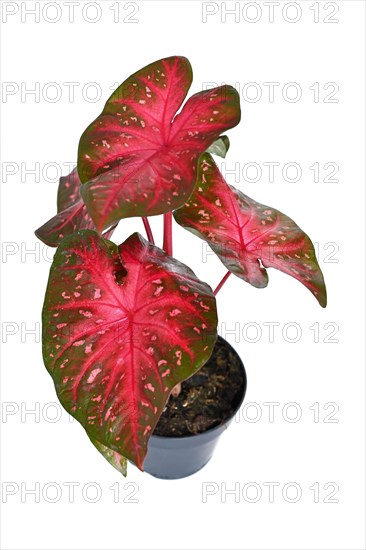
[168,236]
[222,282]
[148,230]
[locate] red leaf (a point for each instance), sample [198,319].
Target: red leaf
[121,327]
[245,234]
[136,159]
[72,213]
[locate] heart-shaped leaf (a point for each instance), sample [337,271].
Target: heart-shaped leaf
[139,159]
[244,233]
[72,214]
[121,327]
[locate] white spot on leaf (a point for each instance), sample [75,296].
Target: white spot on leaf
[93,374]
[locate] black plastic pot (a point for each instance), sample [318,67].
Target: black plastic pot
[177,457]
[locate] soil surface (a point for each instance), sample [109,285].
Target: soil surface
[207,399]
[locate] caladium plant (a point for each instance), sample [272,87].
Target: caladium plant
[124,325]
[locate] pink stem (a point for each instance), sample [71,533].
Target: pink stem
[168,234]
[148,230]
[222,282]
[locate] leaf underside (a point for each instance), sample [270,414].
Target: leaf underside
[122,325]
[139,158]
[219,147]
[248,236]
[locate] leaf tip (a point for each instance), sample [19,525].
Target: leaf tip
[41,234]
[322,297]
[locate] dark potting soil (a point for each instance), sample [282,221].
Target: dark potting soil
[207,399]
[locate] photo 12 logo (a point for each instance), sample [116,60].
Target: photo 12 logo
[279,172]
[68,491]
[269,492]
[270,12]
[70,12]
[289,92]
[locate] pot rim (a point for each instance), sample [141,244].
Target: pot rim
[224,424]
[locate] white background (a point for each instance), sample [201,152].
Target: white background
[314,450]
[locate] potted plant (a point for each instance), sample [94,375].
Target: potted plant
[129,332]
